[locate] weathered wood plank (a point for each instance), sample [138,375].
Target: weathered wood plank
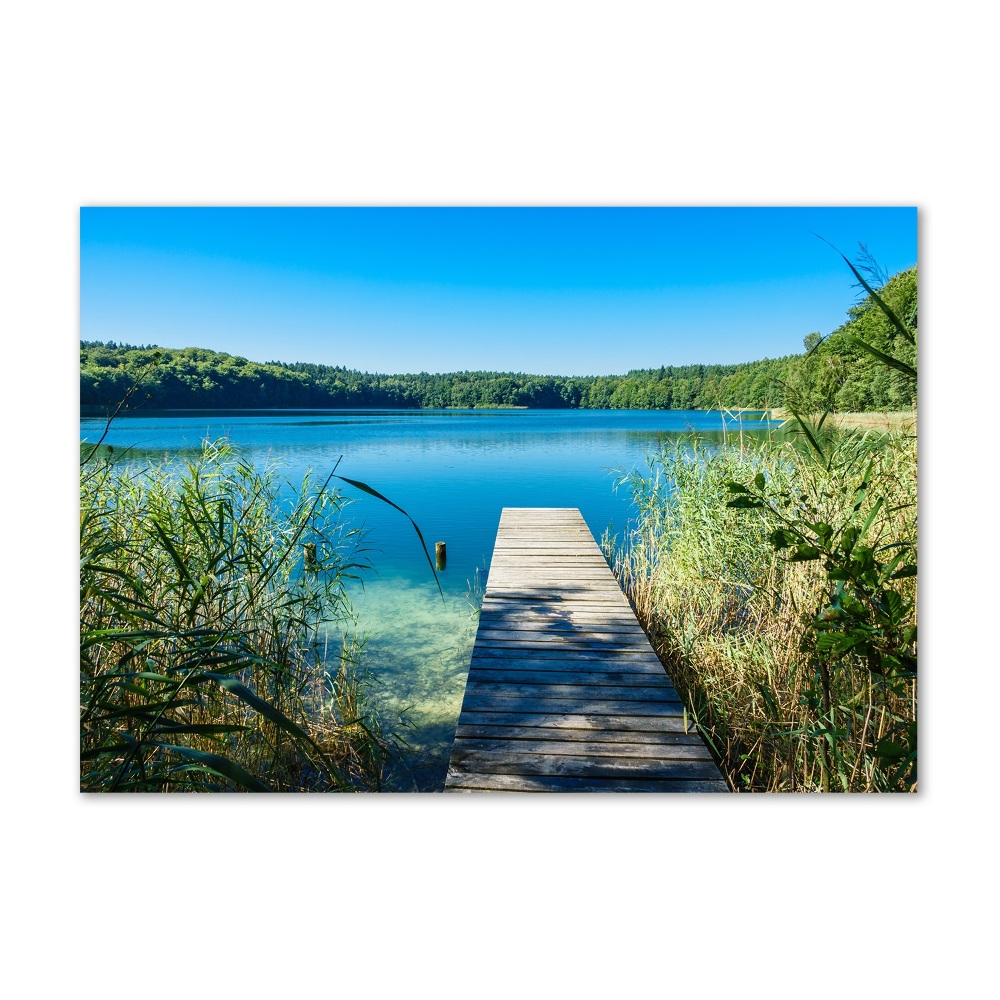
[587,748]
[578,589]
[624,722]
[536,631]
[591,621]
[510,762]
[561,631]
[580,600]
[581,678]
[581,704]
[564,691]
[544,599]
[607,692]
[565,636]
[480,731]
[542,645]
[472,782]
[529,554]
[528,569]
[587,602]
[570,662]
[560,621]
[621,656]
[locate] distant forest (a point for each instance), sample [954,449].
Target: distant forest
[831,373]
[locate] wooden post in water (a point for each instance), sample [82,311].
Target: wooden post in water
[441,555]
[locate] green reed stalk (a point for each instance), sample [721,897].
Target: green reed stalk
[201,667]
[734,620]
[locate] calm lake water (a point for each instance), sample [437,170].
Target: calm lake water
[452,471]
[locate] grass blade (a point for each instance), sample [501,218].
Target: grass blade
[221,766]
[892,317]
[365,488]
[247,696]
[900,366]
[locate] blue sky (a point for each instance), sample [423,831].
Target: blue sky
[571,291]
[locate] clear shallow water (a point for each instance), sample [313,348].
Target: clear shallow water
[452,471]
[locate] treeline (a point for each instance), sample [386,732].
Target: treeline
[193,377]
[832,373]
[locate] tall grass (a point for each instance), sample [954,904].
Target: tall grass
[206,597]
[734,619]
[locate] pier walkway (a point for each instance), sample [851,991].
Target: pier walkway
[564,691]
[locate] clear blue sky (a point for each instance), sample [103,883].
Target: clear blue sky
[573,291]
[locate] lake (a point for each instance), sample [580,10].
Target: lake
[452,471]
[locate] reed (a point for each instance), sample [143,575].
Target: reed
[734,619]
[205,652]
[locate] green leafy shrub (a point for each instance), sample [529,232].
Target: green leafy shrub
[863,616]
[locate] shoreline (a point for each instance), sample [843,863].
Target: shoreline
[890,420]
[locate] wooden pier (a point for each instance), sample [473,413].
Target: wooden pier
[564,691]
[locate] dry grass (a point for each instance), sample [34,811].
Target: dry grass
[897,422]
[730,617]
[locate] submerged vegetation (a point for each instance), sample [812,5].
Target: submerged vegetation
[206,596]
